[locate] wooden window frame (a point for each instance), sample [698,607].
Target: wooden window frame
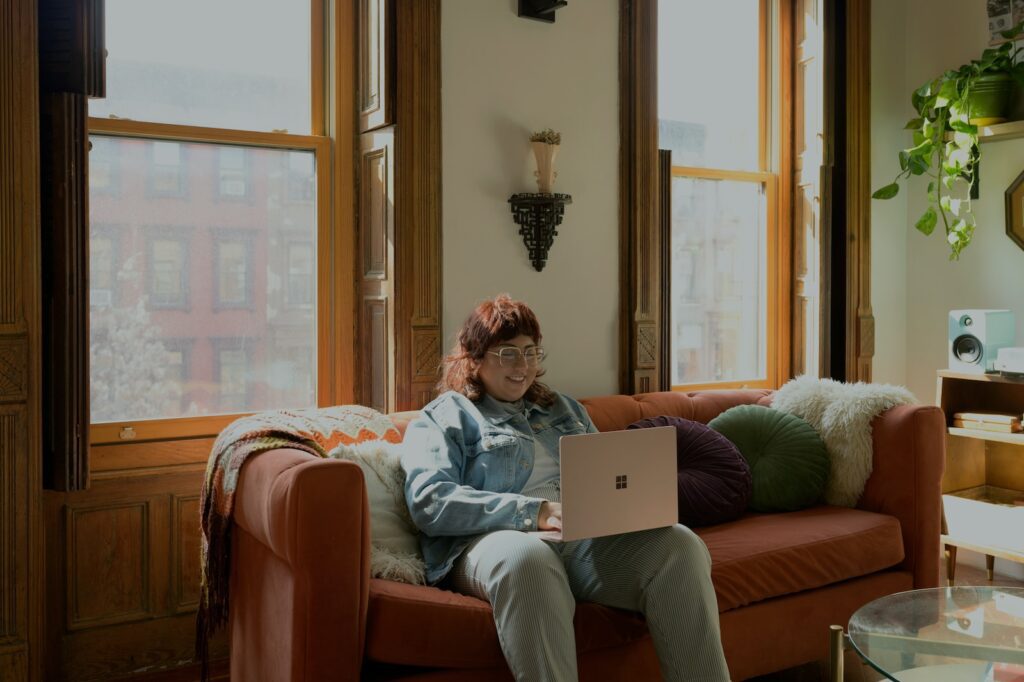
[643,333]
[774,112]
[332,143]
[770,182]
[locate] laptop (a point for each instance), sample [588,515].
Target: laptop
[616,482]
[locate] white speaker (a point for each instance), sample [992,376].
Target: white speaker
[975,337]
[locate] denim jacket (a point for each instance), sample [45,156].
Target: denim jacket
[466,463]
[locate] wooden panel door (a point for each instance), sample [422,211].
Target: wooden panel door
[810,174]
[376,80]
[376,269]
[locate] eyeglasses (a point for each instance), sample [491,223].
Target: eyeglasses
[509,356]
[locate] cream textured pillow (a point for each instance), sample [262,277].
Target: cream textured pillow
[394,545]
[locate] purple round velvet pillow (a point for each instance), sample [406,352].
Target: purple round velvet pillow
[713,478]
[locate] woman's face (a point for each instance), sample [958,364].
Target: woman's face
[510,382]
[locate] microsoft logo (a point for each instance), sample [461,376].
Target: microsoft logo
[621,482]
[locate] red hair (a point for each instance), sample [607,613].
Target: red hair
[492,322]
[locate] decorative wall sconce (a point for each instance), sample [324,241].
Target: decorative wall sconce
[538,216]
[542,10]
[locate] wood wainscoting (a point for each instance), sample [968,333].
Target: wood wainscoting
[122,564]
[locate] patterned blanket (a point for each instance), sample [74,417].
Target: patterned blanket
[316,431]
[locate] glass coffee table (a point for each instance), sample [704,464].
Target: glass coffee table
[942,634]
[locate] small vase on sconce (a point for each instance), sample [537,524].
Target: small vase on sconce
[545,148]
[545,154]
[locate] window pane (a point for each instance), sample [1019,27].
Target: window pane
[227,64]
[232,273]
[719,276]
[203,321]
[708,95]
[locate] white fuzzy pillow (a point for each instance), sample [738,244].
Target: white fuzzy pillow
[394,545]
[841,413]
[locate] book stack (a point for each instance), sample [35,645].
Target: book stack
[1000,422]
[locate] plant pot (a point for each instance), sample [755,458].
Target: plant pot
[989,98]
[545,154]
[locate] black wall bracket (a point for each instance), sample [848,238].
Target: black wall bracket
[538,217]
[541,10]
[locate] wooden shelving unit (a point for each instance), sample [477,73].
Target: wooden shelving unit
[983,485]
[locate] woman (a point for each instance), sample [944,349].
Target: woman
[482,472]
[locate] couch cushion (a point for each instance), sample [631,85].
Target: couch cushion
[712,478]
[428,626]
[767,555]
[788,461]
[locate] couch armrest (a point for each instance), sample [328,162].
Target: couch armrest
[909,444]
[300,569]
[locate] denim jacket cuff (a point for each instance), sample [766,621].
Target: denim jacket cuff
[527,511]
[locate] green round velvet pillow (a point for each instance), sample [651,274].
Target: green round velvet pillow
[788,461]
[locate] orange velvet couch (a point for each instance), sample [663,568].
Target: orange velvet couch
[303,605]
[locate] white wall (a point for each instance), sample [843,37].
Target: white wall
[890,109]
[503,77]
[912,42]
[990,272]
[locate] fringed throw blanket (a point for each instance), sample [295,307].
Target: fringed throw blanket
[841,413]
[316,431]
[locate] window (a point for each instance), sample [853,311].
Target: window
[177,372]
[300,176]
[168,271]
[103,175]
[102,277]
[232,377]
[301,280]
[232,272]
[167,173]
[724,141]
[232,173]
[187,130]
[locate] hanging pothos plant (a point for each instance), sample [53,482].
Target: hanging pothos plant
[949,110]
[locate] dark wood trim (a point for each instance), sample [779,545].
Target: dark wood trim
[640,257]
[417,286]
[665,278]
[21,531]
[65,281]
[860,319]
[72,47]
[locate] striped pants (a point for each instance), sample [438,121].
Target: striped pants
[533,586]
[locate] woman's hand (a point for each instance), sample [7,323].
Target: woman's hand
[550,517]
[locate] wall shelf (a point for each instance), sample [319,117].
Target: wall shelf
[1001,131]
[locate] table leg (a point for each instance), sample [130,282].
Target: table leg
[950,565]
[990,566]
[835,653]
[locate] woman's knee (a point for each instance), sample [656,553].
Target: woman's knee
[683,544]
